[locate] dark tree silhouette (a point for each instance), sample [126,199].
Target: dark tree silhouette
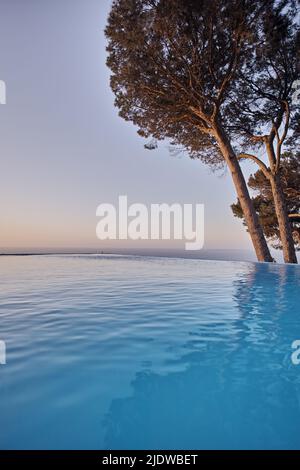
[266,117]
[264,202]
[175,64]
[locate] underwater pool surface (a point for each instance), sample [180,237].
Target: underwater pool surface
[124,352]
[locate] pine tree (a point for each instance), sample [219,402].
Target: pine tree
[264,203]
[177,73]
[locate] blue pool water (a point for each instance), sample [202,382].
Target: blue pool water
[112,352]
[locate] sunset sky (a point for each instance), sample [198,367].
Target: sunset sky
[64,150]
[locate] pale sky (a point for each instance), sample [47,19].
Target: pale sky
[64,150]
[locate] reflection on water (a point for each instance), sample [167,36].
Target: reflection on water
[242,393]
[126,353]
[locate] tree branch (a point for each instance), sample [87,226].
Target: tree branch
[262,166]
[283,137]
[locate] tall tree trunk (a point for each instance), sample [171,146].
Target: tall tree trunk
[251,217]
[285,229]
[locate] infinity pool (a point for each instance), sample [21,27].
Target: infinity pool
[121,352]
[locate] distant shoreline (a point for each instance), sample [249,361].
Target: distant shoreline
[125,251]
[219,254]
